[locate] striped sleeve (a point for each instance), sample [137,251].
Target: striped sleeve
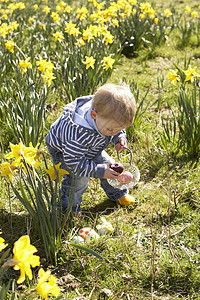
[121,134]
[75,158]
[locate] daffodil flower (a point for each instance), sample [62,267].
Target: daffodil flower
[17,151]
[32,152]
[80,42]
[44,65]
[47,10]
[187,8]
[10,45]
[55,17]
[194,14]
[58,36]
[71,29]
[108,62]
[48,77]
[8,169]
[45,287]
[53,174]
[167,13]
[173,76]
[67,9]
[82,13]
[25,64]
[108,37]
[24,257]
[156,20]
[89,62]
[191,74]
[2,244]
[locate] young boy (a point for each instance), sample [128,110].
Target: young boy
[78,139]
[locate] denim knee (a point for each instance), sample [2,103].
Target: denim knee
[81,184]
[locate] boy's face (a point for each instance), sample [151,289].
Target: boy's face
[106,126]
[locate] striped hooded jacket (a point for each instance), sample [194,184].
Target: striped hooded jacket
[80,143]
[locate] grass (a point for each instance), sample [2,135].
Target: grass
[154,251]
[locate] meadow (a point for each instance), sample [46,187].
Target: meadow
[52,52]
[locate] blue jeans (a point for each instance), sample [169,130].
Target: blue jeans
[113,194]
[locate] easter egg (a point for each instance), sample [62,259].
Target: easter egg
[125,177]
[88,233]
[117,167]
[78,240]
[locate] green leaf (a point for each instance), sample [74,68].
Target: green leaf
[92,252]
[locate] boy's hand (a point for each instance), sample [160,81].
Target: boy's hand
[110,173]
[120,144]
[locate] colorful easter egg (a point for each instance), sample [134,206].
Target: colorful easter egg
[105,227]
[88,233]
[78,240]
[125,177]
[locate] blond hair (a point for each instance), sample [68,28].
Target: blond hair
[115,102]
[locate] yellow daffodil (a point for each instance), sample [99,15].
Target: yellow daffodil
[31,20]
[55,17]
[122,15]
[24,257]
[141,16]
[156,20]
[20,5]
[58,36]
[31,155]
[80,42]
[42,26]
[108,62]
[44,65]
[45,287]
[89,62]
[151,13]
[2,244]
[115,22]
[46,9]
[194,14]
[133,2]
[167,13]
[4,30]
[48,76]
[87,35]
[8,169]
[191,74]
[67,9]
[35,6]
[145,6]
[100,5]
[32,151]
[173,76]
[14,25]
[17,151]
[71,29]
[61,6]
[10,45]
[82,13]
[187,9]
[53,174]
[108,38]
[25,64]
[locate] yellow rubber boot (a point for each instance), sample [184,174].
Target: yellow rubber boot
[126,200]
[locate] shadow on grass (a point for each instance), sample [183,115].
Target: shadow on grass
[13,226]
[175,283]
[183,162]
[105,207]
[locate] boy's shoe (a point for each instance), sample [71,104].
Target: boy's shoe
[126,200]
